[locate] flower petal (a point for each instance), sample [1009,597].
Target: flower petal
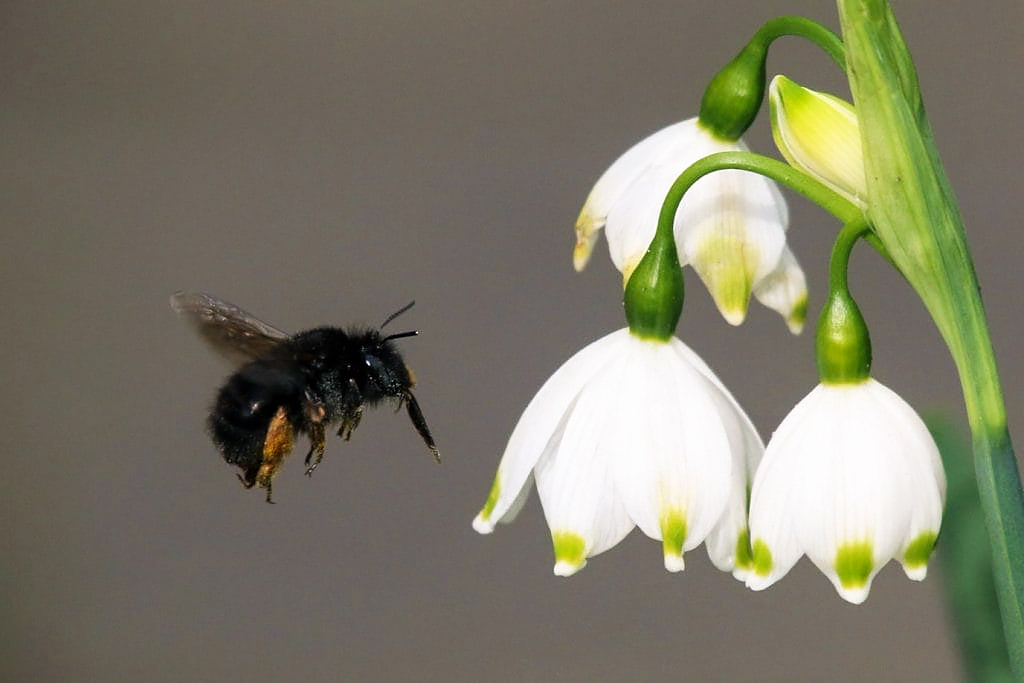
[575,483]
[612,184]
[785,290]
[926,482]
[733,233]
[728,543]
[672,461]
[536,427]
[633,220]
[773,505]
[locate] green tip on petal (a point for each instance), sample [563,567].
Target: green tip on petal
[797,316]
[673,536]
[915,558]
[483,524]
[570,552]
[744,556]
[853,565]
[587,227]
[726,266]
[762,559]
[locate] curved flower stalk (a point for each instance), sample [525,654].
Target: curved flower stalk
[632,432]
[852,478]
[730,225]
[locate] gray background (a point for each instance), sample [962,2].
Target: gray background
[325,163]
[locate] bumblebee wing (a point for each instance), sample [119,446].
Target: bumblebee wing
[235,334]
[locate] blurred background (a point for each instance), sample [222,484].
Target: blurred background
[324,163]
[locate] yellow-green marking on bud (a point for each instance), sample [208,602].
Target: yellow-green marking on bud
[819,134]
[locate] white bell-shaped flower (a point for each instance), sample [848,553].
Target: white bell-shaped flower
[632,432]
[852,478]
[730,225]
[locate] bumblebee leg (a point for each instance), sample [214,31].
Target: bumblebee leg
[276,447]
[416,415]
[270,486]
[248,475]
[317,445]
[349,422]
[352,412]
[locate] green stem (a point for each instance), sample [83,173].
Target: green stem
[838,265]
[915,214]
[780,172]
[828,41]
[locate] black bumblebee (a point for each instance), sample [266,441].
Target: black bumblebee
[295,384]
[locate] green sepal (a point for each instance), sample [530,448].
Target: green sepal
[843,343]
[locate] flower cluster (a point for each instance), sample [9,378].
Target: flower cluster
[636,430]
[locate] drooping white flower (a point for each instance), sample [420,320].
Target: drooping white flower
[819,134]
[730,225]
[631,432]
[852,478]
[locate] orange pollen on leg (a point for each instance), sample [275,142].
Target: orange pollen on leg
[277,446]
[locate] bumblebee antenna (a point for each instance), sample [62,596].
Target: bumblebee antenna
[399,335]
[397,313]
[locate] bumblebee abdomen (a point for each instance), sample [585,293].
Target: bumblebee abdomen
[245,407]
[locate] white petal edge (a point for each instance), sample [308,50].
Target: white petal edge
[537,425]
[773,504]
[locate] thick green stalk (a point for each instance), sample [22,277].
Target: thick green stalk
[967,563]
[915,215]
